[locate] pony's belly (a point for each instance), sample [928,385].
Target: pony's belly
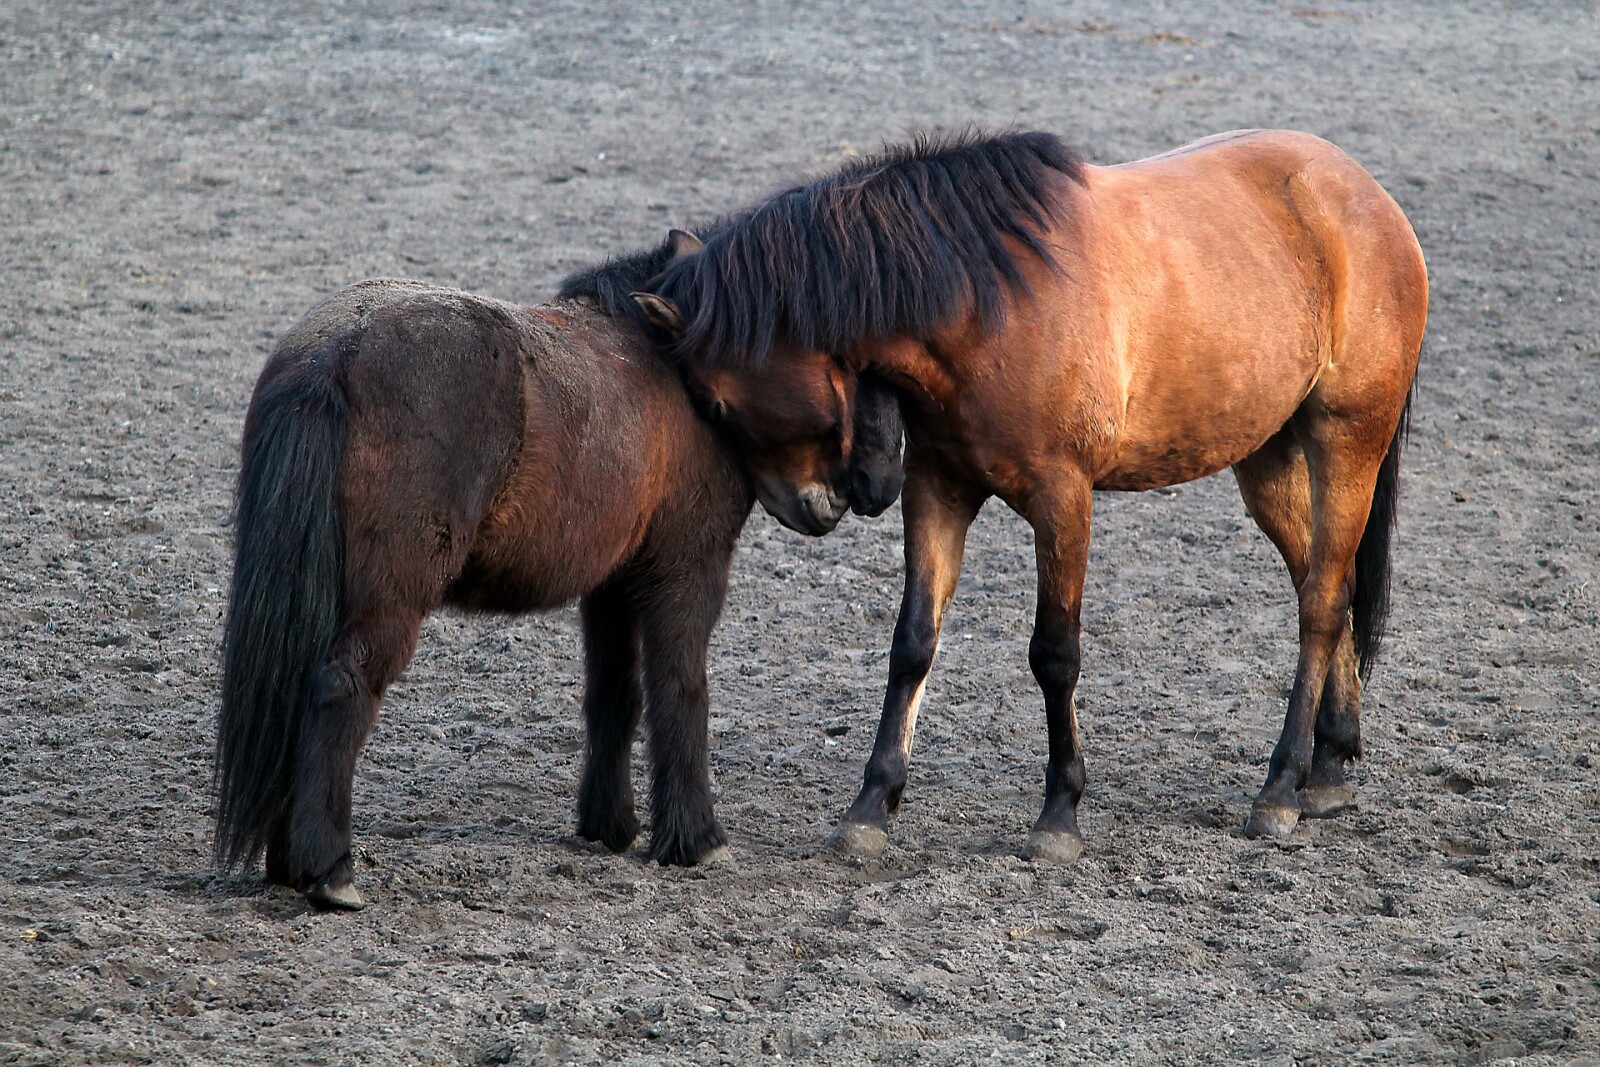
[539,566]
[1193,413]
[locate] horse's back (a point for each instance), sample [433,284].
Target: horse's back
[1316,191]
[504,457]
[1354,248]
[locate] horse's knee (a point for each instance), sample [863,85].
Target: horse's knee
[916,640]
[1054,659]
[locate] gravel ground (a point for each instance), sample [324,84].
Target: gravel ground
[178,182]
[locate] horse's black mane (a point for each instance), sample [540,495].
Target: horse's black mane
[902,242]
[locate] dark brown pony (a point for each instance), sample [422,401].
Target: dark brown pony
[409,446]
[1254,300]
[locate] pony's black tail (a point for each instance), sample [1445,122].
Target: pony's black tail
[285,606]
[1369,607]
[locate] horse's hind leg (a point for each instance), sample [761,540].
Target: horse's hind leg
[369,654]
[1337,741]
[399,559]
[612,700]
[1276,488]
[1342,457]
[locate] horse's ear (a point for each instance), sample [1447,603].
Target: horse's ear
[661,312]
[682,242]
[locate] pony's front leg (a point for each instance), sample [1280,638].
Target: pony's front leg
[612,701]
[938,513]
[678,612]
[1060,518]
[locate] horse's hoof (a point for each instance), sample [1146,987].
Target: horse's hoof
[1321,801]
[859,839]
[1053,846]
[339,898]
[1271,820]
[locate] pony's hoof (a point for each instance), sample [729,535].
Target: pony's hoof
[610,823]
[1321,801]
[721,856]
[859,839]
[1053,846]
[1271,820]
[336,898]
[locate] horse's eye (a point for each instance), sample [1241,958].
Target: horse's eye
[719,411]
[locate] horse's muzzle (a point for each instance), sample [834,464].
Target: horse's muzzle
[874,486]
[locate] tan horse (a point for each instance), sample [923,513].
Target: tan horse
[1254,300]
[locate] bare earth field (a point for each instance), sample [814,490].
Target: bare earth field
[179,181]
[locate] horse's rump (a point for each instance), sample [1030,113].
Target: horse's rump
[1240,274]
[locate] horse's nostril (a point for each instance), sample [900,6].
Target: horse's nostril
[861,501]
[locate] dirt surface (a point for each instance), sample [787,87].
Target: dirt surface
[178,182]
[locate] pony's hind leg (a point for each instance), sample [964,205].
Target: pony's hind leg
[1337,740]
[1276,488]
[316,859]
[612,701]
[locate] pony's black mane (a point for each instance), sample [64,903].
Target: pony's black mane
[902,242]
[611,282]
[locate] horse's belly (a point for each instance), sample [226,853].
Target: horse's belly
[1221,417]
[1150,469]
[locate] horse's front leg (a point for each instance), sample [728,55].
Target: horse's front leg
[1060,518]
[938,512]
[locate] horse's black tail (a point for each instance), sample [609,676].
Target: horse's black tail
[285,606]
[1369,606]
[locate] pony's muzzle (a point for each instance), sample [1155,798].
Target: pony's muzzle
[823,508]
[812,510]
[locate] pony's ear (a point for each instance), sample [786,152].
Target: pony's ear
[661,312]
[682,242]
